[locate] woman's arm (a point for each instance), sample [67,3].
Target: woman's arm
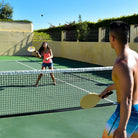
[37,54]
[51,55]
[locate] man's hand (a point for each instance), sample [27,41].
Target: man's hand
[120,133]
[105,94]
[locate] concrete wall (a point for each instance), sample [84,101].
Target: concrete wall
[91,52]
[54,45]
[96,53]
[15,37]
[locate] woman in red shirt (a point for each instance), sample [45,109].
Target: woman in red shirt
[47,54]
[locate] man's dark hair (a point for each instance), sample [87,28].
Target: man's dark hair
[120,30]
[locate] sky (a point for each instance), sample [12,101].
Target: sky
[60,12]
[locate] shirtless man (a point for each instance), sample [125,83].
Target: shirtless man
[124,122]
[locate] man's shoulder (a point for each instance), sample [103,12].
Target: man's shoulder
[133,53]
[121,64]
[121,61]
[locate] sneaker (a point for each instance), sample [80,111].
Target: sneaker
[36,85]
[54,83]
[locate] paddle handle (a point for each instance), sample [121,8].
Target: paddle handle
[109,93]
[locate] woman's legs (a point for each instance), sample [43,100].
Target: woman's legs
[52,76]
[39,77]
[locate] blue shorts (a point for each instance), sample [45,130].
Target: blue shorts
[47,65]
[113,122]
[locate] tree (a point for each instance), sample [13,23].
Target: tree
[6,11]
[80,20]
[82,29]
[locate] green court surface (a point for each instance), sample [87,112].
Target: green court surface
[29,63]
[88,123]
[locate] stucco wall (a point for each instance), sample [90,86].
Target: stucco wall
[91,52]
[15,37]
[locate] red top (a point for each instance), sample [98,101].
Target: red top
[46,55]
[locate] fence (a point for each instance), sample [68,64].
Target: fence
[93,35]
[97,35]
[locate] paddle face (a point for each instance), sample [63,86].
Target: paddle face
[89,101]
[31,49]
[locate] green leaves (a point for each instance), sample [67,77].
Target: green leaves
[6,11]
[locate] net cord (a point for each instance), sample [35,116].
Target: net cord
[20,72]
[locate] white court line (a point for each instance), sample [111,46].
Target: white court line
[92,80]
[8,60]
[25,65]
[19,63]
[83,90]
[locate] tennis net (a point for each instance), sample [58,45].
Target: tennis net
[19,96]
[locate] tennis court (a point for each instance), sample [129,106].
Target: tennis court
[63,116]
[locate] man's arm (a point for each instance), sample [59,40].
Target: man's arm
[125,87]
[109,88]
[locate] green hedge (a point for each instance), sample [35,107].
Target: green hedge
[10,20]
[131,19]
[41,36]
[85,27]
